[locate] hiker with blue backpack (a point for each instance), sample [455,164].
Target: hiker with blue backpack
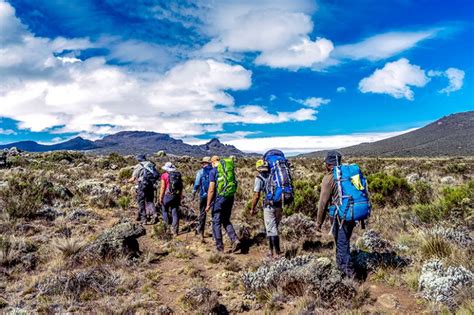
[274,180]
[345,197]
[220,200]
[145,176]
[201,184]
[171,194]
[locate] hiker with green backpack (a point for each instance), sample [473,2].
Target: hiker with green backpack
[220,199]
[171,194]
[345,197]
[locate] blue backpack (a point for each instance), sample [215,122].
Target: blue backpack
[353,203]
[204,184]
[279,185]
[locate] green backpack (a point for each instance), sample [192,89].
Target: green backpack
[226,182]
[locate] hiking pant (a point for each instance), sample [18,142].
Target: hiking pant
[221,217]
[145,201]
[342,236]
[272,217]
[202,215]
[171,206]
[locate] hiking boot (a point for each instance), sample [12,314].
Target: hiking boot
[154,220]
[235,246]
[203,241]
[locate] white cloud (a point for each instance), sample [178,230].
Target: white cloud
[395,79]
[340,89]
[455,77]
[7,132]
[382,46]
[312,102]
[94,98]
[303,144]
[277,30]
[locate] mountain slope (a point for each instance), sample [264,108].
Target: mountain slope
[133,142]
[451,135]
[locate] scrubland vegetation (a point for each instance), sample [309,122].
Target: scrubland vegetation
[68,243]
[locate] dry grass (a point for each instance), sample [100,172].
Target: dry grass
[68,247]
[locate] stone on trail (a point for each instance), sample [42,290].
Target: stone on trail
[388,301]
[121,239]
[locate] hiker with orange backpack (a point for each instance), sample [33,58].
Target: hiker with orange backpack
[344,196]
[220,200]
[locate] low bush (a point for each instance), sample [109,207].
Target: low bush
[427,213]
[70,156]
[423,192]
[25,194]
[124,202]
[125,173]
[306,198]
[389,190]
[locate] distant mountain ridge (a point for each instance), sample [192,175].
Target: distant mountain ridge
[451,135]
[132,142]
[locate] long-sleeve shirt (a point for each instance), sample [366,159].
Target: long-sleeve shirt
[329,192]
[197,181]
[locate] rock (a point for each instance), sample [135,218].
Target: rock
[161,153]
[202,300]
[63,192]
[78,214]
[448,180]
[440,284]
[48,214]
[388,301]
[121,239]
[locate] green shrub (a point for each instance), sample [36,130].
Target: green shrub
[394,190]
[427,213]
[25,195]
[124,202]
[423,192]
[306,198]
[125,173]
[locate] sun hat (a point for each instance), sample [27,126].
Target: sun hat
[333,158]
[169,167]
[206,160]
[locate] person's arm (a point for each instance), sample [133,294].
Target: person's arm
[135,173]
[324,199]
[210,195]
[162,190]
[256,198]
[197,182]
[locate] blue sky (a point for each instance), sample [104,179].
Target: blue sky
[300,75]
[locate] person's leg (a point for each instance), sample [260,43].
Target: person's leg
[343,234]
[150,202]
[346,233]
[216,223]
[271,227]
[164,211]
[175,214]
[141,204]
[225,219]
[202,216]
[278,216]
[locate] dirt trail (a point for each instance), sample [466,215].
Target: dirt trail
[177,274]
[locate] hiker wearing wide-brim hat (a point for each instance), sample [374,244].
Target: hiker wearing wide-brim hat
[201,184]
[171,194]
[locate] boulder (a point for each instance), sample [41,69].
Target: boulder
[388,301]
[121,239]
[448,180]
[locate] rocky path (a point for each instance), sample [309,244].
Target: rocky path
[186,262]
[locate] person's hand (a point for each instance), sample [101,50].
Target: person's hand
[253,211]
[208,208]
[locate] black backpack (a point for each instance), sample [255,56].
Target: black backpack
[149,175]
[176,183]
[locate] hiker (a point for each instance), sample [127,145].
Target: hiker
[346,181]
[271,213]
[220,198]
[275,181]
[202,184]
[171,194]
[145,176]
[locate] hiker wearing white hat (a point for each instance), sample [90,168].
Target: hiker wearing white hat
[171,193]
